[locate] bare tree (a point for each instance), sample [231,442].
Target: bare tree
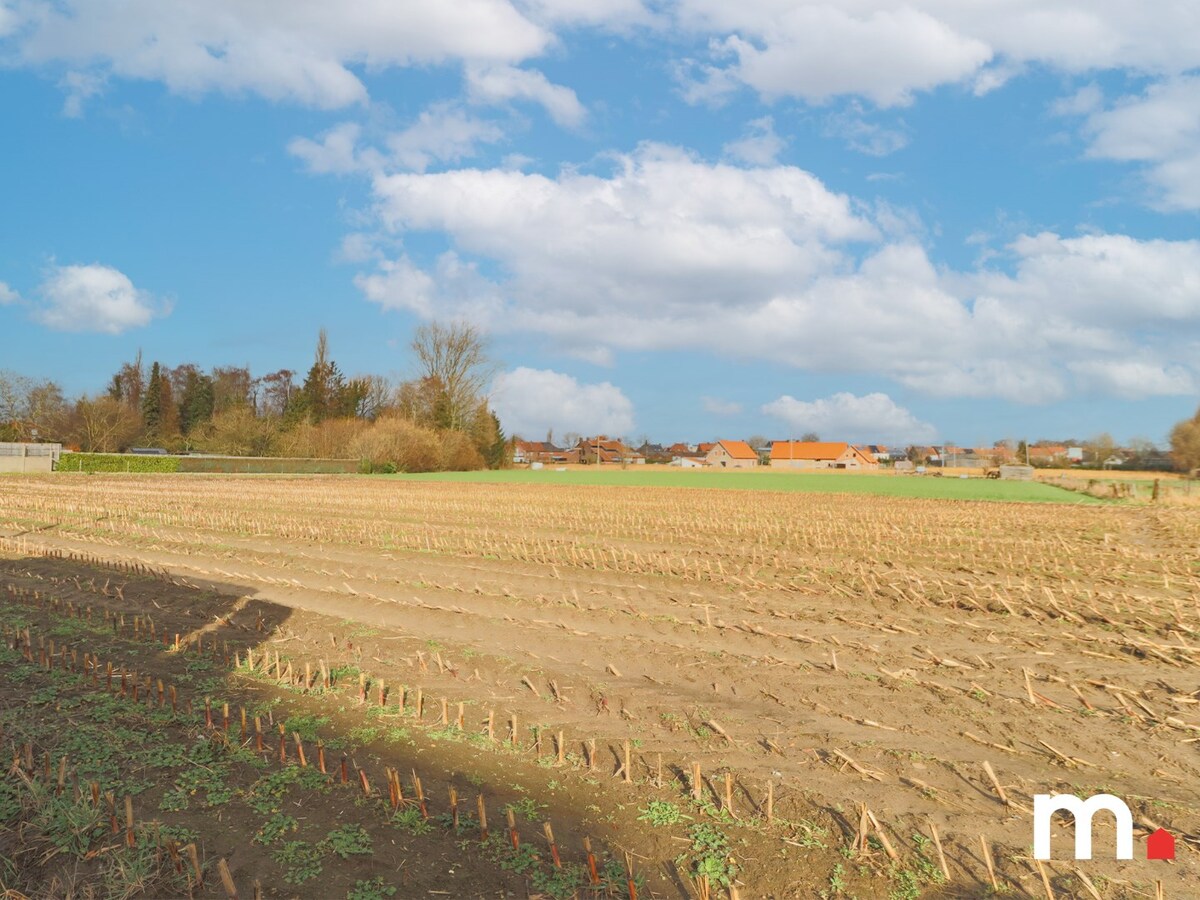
[104,425]
[30,408]
[277,391]
[378,395]
[1185,443]
[456,356]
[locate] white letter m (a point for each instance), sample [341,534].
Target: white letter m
[1045,806]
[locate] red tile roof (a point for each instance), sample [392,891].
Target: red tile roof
[808,449]
[738,449]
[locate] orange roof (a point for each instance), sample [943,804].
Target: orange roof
[808,449]
[867,455]
[738,449]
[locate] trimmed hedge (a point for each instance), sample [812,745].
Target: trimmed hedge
[227,465]
[263,465]
[117,462]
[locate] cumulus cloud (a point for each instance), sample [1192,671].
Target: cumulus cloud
[759,145]
[612,14]
[871,418]
[334,152]
[1159,129]
[671,252]
[443,133]
[1133,379]
[93,298]
[861,134]
[887,51]
[296,50]
[8,295]
[720,407]
[666,235]
[530,401]
[454,289]
[819,51]
[504,83]
[79,88]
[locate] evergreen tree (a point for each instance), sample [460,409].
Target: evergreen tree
[196,403]
[324,394]
[152,401]
[489,438]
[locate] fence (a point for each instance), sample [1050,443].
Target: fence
[29,457]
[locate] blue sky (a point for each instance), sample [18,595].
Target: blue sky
[680,218]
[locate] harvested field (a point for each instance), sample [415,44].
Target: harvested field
[882,483]
[843,672]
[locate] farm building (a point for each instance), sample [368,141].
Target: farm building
[732,455]
[688,462]
[820,455]
[605,451]
[543,452]
[29,457]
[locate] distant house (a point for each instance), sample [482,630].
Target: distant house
[688,462]
[703,449]
[820,455]
[879,451]
[654,453]
[1048,455]
[603,450]
[525,452]
[732,455]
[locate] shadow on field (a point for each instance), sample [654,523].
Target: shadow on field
[135,618]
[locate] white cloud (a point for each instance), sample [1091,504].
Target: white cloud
[665,235]
[398,284]
[8,20]
[1107,280]
[1161,130]
[887,50]
[845,417]
[79,87]
[8,295]
[1134,379]
[94,298]
[296,50]
[530,401]
[862,135]
[617,14]
[719,407]
[503,83]
[444,133]
[334,153]
[455,289]
[759,145]
[1087,99]
[670,252]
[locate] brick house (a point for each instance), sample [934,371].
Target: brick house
[732,455]
[820,455]
[606,451]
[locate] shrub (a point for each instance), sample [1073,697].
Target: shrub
[116,462]
[400,444]
[459,454]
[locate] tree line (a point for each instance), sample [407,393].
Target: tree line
[437,420]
